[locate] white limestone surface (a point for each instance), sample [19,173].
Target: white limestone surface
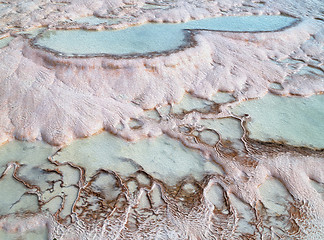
[208,178]
[57,98]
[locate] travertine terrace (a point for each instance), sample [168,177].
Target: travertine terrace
[149,146]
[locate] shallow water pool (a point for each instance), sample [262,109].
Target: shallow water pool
[151,37]
[5,41]
[294,120]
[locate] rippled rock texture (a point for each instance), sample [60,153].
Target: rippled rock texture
[180,151]
[56,99]
[105,188]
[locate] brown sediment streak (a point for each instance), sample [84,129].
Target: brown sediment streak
[283,147]
[178,207]
[93,84]
[80,185]
[81,170]
[15,176]
[234,204]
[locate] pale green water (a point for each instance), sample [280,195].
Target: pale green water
[190,103]
[297,121]
[5,41]
[39,234]
[33,32]
[163,158]
[150,37]
[228,128]
[222,97]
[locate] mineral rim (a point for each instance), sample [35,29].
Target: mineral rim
[151,146]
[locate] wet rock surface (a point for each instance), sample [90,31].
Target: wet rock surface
[179,148]
[227,185]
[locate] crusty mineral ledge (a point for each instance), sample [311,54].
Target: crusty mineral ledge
[56,99]
[266,194]
[17,14]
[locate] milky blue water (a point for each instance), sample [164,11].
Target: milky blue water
[294,120]
[5,41]
[151,37]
